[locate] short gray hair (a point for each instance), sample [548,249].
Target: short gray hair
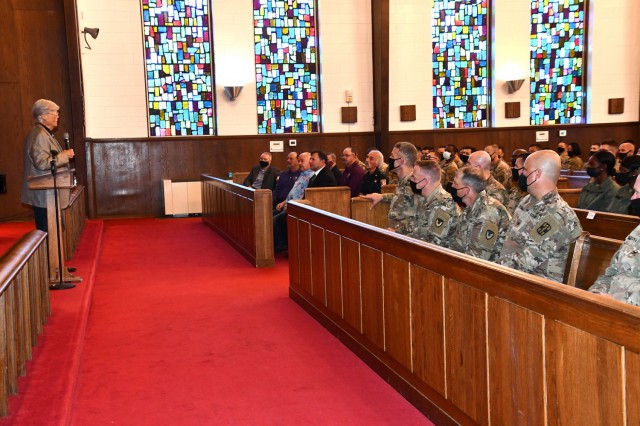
[473,178]
[408,151]
[42,107]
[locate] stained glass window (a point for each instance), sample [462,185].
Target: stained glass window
[286,66]
[557,74]
[460,64]
[178,64]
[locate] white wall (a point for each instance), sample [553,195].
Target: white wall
[114,80]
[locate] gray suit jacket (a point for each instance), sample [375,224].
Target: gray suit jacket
[37,161]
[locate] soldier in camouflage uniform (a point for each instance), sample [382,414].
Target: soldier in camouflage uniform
[448,168]
[621,280]
[483,223]
[437,212]
[403,212]
[498,168]
[626,178]
[494,189]
[543,226]
[516,194]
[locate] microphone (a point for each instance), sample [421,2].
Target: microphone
[54,153]
[66,141]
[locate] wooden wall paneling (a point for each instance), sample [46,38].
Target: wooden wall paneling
[318,266]
[466,331]
[333,265]
[294,252]
[516,379]
[579,389]
[304,253]
[427,307]
[397,309]
[372,295]
[351,287]
[632,363]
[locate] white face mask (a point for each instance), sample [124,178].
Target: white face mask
[446,155]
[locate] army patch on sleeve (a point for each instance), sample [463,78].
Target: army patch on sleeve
[488,235]
[440,222]
[546,227]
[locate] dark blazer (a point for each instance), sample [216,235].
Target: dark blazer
[324,178]
[336,173]
[269,181]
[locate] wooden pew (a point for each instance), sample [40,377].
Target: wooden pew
[609,225]
[24,308]
[577,181]
[465,340]
[570,195]
[591,256]
[334,199]
[74,219]
[377,216]
[389,189]
[239,177]
[242,216]
[563,183]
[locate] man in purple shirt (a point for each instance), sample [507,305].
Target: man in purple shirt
[286,179]
[353,173]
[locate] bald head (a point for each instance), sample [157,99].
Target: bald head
[481,160]
[542,169]
[303,161]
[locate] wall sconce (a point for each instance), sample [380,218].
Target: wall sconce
[232,92]
[93,32]
[514,85]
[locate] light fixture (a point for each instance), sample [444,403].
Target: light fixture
[514,85]
[93,32]
[232,92]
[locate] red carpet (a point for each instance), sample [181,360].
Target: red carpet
[183,330]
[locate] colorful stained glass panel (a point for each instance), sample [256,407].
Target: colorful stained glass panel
[178,64]
[286,58]
[557,48]
[460,64]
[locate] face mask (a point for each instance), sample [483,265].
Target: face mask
[464,158]
[635,206]
[392,163]
[446,155]
[264,164]
[623,178]
[622,155]
[454,194]
[414,187]
[515,173]
[592,171]
[592,152]
[559,150]
[522,181]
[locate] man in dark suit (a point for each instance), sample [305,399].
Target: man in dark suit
[322,175]
[262,176]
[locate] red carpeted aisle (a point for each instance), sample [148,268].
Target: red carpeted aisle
[182,330]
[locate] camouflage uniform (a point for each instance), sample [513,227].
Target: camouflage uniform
[575,163]
[539,236]
[598,196]
[564,161]
[496,190]
[514,196]
[403,212]
[449,169]
[482,228]
[458,162]
[502,173]
[621,202]
[622,278]
[437,218]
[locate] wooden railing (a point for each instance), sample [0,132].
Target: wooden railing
[24,308]
[74,218]
[465,340]
[334,199]
[242,216]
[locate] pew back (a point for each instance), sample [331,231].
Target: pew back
[362,211]
[570,195]
[389,189]
[242,216]
[610,225]
[334,199]
[577,181]
[466,340]
[239,177]
[591,256]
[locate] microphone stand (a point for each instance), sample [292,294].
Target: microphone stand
[61,285]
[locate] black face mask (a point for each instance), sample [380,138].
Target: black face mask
[592,152]
[635,206]
[264,164]
[414,187]
[454,194]
[559,150]
[593,171]
[392,163]
[623,178]
[515,173]
[522,181]
[622,155]
[464,158]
